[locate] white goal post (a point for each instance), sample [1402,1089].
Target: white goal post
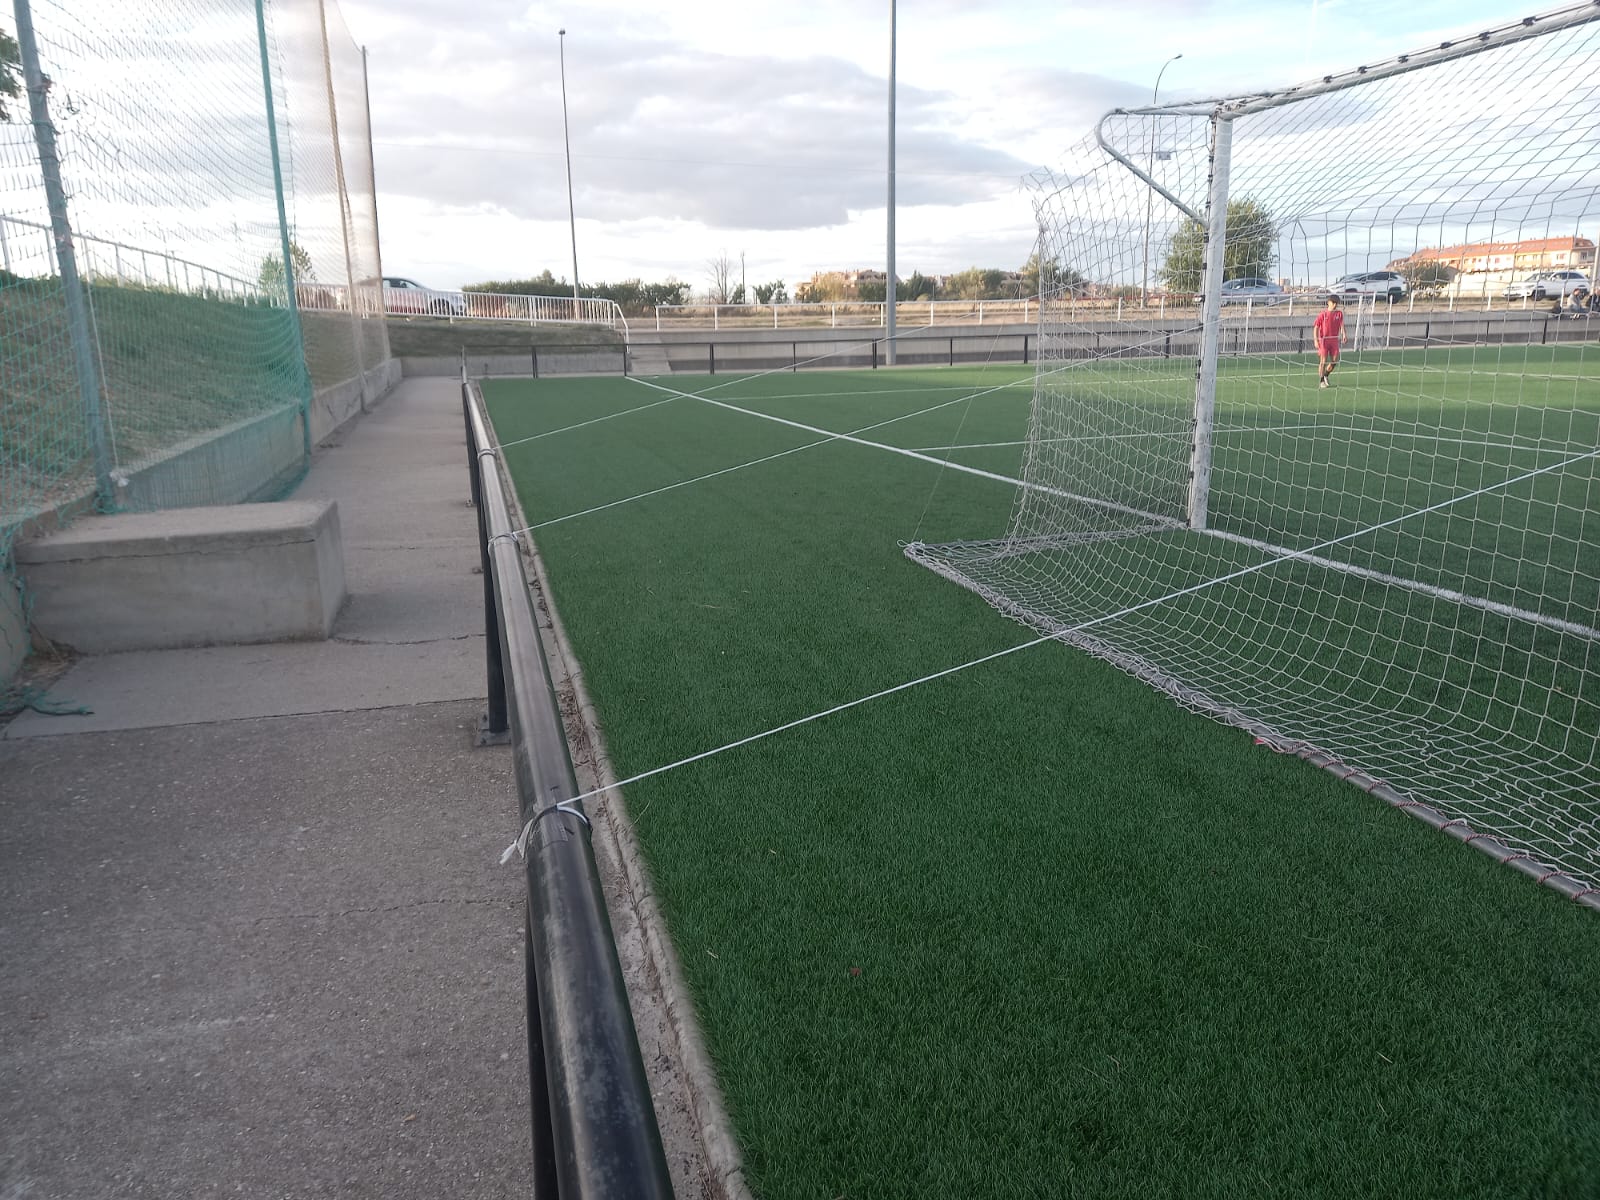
[1397,575]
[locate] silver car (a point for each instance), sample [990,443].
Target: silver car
[1543,284]
[410,297]
[1253,290]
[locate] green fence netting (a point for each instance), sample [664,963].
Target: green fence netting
[189,377]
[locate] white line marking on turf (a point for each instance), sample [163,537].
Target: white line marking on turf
[1310,552]
[755,461]
[595,421]
[938,462]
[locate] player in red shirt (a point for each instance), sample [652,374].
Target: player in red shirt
[1329,332]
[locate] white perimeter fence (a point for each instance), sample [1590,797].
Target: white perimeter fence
[109,262]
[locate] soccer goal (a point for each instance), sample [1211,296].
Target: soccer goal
[1396,576]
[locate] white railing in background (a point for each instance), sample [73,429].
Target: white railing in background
[846,313]
[1472,294]
[501,306]
[28,246]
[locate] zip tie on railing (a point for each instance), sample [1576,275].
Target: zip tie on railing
[514,537]
[491,451]
[520,846]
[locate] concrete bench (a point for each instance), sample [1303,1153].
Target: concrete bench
[188,577]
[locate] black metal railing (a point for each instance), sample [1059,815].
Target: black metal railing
[594,1126]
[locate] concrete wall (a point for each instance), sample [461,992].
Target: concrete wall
[597,360]
[335,407]
[14,638]
[227,575]
[255,459]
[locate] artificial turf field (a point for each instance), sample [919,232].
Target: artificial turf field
[1029,929]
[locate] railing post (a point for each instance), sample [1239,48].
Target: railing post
[493,729]
[794,356]
[1025,349]
[535,349]
[952,350]
[711,356]
[874,355]
[593,1121]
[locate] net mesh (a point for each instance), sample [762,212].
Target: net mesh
[196,363]
[1400,570]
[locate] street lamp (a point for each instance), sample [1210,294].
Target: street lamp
[1150,192]
[566,136]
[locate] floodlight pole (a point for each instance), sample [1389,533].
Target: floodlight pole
[1150,199]
[566,137]
[888,283]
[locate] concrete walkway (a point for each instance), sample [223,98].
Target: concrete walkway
[255,941]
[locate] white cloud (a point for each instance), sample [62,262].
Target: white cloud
[748,125]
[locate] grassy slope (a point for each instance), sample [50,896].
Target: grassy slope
[1105,947]
[173,366]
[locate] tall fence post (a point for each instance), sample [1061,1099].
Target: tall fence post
[1205,388]
[78,320]
[283,230]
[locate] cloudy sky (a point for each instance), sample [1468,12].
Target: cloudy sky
[756,128]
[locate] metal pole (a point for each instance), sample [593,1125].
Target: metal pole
[372,174]
[888,285]
[1205,388]
[1150,196]
[346,217]
[283,229]
[566,137]
[78,319]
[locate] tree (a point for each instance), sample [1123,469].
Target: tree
[721,269]
[976,283]
[918,287]
[271,276]
[1048,277]
[771,293]
[1249,251]
[1426,276]
[10,72]
[875,291]
[738,296]
[825,288]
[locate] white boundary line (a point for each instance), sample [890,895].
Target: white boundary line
[938,462]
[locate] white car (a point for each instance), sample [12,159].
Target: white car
[408,296]
[1389,284]
[1258,291]
[1543,284]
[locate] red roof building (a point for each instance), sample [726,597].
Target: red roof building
[1529,254]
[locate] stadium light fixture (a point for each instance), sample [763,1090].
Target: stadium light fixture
[1149,203]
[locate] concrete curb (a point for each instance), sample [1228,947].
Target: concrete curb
[617,847]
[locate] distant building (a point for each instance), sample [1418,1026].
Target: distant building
[1509,259]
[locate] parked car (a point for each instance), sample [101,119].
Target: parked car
[1390,284]
[1258,291]
[408,296]
[1543,284]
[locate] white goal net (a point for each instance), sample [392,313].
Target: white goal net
[1398,574]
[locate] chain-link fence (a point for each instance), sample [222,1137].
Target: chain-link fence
[160,160]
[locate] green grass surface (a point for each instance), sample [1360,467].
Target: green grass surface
[1030,930]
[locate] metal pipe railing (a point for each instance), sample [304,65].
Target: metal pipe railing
[594,1125]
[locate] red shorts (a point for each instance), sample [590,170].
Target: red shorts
[1328,348]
